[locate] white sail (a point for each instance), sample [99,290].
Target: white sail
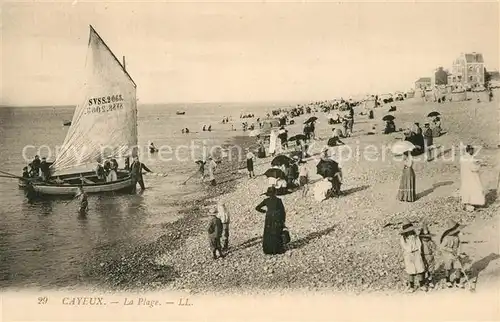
[105,121]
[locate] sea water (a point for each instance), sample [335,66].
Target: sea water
[44,243]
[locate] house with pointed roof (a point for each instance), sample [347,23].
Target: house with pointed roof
[467,71]
[423,83]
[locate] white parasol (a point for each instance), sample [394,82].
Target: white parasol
[254,133]
[401,147]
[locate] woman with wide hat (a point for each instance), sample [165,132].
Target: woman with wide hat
[412,254]
[272,240]
[450,246]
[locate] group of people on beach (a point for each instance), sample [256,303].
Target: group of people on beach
[419,254]
[418,247]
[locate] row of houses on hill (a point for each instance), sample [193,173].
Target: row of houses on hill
[467,71]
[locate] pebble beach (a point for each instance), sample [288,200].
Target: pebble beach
[347,244]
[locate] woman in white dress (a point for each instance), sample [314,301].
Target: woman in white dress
[471,189]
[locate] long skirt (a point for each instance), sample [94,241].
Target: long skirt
[407,186]
[261,153]
[249,165]
[272,241]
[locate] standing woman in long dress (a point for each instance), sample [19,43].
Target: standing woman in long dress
[407,189]
[471,189]
[272,241]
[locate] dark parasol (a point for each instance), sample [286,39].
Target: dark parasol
[432,114]
[327,168]
[311,119]
[275,173]
[297,137]
[281,160]
[388,118]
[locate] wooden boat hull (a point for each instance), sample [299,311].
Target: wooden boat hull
[180,113]
[124,183]
[21,184]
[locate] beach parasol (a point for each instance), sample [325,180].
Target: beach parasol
[254,133]
[388,118]
[401,147]
[311,119]
[327,168]
[281,160]
[297,137]
[432,114]
[275,173]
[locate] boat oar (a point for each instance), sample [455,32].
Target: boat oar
[12,175]
[190,177]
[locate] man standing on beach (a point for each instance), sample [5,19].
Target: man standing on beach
[351,118]
[136,173]
[428,141]
[215,233]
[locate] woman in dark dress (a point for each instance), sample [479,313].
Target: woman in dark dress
[272,241]
[407,189]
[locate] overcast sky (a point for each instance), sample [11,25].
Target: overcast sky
[240,52]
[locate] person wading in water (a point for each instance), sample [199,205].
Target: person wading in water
[82,197]
[136,173]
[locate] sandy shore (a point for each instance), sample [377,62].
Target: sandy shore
[347,244]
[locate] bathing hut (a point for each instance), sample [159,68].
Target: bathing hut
[458,95]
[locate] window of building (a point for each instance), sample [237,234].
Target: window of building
[471,78]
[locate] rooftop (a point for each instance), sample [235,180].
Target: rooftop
[474,58]
[423,80]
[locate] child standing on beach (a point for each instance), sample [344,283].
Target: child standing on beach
[215,233]
[414,265]
[450,245]
[250,159]
[345,125]
[428,251]
[223,215]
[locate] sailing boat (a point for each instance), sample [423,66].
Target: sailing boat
[104,125]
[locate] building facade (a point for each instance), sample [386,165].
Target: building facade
[467,71]
[423,83]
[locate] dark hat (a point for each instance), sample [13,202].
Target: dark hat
[271,191]
[452,227]
[407,227]
[424,231]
